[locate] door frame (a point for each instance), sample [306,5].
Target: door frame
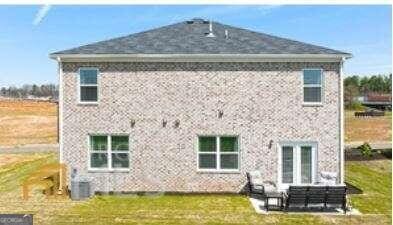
[296,163]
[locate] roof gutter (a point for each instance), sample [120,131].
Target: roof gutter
[200,57]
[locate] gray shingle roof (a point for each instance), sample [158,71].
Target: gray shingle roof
[189,37]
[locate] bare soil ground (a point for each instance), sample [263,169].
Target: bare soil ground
[27,122]
[370,129]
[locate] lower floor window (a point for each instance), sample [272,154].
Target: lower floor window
[218,153]
[109,151]
[298,163]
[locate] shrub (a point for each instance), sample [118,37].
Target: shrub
[365,149]
[355,106]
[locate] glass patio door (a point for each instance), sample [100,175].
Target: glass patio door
[306,169]
[297,164]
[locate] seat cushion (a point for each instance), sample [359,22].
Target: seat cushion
[256,177]
[257,182]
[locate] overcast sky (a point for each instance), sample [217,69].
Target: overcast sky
[29,33]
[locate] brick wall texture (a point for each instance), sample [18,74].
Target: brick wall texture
[261,102]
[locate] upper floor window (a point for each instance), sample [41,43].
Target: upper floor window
[88,85]
[218,153]
[312,85]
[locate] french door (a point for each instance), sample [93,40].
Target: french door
[297,165]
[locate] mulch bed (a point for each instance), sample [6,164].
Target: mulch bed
[356,155]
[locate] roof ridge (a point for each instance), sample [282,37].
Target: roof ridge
[190,38]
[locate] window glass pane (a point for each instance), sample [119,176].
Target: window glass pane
[99,160]
[229,161]
[207,144]
[120,160]
[88,76]
[287,164]
[99,143]
[306,168]
[119,143]
[207,161]
[312,76]
[228,144]
[89,94]
[312,94]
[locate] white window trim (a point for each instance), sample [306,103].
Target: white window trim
[217,153]
[87,85]
[296,163]
[322,86]
[109,152]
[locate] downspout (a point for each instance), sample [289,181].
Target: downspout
[60,109]
[60,123]
[342,146]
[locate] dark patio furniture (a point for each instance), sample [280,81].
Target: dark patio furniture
[278,196]
[255,188]
[297,195]
[316,195]
[309,196]
[337,196]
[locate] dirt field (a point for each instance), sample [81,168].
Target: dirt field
[368,129]
[27,122]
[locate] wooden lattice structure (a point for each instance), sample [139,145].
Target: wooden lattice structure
[50,178]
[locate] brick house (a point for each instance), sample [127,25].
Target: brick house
[193,106]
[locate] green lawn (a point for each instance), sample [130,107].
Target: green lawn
[373,177]
[11,175]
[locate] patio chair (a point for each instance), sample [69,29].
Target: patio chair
[255,183]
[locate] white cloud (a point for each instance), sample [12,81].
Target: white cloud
[42,12]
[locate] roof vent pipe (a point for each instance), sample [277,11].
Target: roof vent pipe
[226,34]
[210,30]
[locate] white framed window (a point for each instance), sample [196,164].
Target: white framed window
[109,152]
[297,163]
[88,85]
[312,86]
[218,153]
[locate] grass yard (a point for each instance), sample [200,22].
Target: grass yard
[27,122]
[368,129]
[373,177]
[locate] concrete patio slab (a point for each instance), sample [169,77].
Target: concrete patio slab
[259,207]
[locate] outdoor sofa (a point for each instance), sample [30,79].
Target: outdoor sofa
[310,196]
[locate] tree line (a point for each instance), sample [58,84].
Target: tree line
[355,86]
[31,91]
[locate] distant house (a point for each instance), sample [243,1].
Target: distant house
[377,100]
[193,106]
